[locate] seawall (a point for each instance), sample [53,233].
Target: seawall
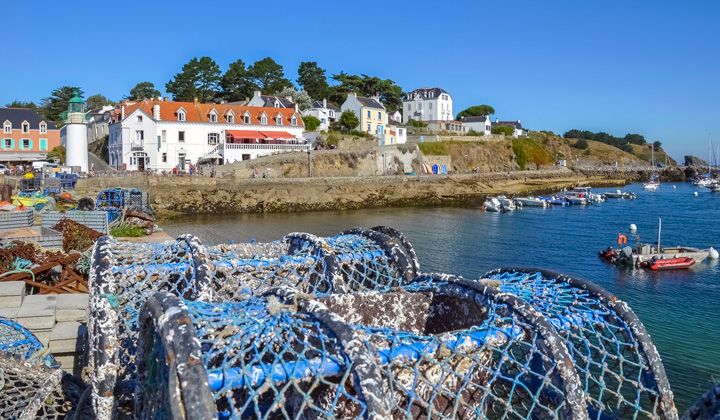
[177,196]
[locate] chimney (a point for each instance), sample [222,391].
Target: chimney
[324,103]
[156,112]
[165,99]
[122,112]
[195,100]
[257,94]
[353,94]
[297,108]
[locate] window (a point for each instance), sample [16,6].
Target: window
[430,104]
[369,114]
[213,138]
[164,136]
[26,144]
[139,118]
[8,144]
[7,127]
[278,120]
[331,114]
[277,104]
[246,118]
[164,158]
[213,117]
[379,115]
[181,136]
[369,129]
[409,107]
[263,119]
[230,118]
[25,127]
[43,144]
[139,135]
[181,115]
[293,121]
[43,127]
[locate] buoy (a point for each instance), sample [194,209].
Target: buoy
[695,194]
[633,228]
[674,186]
[713,255]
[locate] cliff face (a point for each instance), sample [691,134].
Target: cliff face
[695,161]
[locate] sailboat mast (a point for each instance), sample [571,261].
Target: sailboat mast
[659,232]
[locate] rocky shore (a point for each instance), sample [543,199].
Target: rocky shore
[180,196]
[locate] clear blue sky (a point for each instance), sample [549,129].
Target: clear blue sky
[651,67]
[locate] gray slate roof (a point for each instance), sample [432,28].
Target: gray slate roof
[284,102]
[370,102]
[426,93]
[17,115]
[514,124]
[319,104]
[480,118]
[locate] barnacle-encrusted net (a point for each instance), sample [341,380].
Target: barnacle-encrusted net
[19,341]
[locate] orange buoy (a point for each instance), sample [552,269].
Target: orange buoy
[621,239]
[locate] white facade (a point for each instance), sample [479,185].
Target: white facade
[428,104]
[76,146]
[394,135]
[140,142]
[477,124]
[324,113]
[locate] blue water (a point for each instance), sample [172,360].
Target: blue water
[679,309]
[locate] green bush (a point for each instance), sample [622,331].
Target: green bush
[502,129]
[416,124]
[472,132]
[311,123]
[127,231]
[530,151]
[581,144]
[438,148]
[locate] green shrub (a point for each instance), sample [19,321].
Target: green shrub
[530,151]
[127,231]
[472,132]
[502,129]
[434,148]
[581,144]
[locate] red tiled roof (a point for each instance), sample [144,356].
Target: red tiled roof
[197,112]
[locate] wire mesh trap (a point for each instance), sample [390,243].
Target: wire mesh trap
[18,341]
[125,275]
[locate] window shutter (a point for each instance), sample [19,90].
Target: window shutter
[12,143]
[30,143]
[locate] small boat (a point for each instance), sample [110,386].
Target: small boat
[556,200]
[589,195]
[621,195]
[576,199]
[714,187]
[662,264]
[530,202]
[507,203]
[493,205]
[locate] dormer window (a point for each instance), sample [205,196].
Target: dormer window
[246,118]
[139,118]
[263,119]
[213,116]
[293,121]
[278,120]
[230,118]
[277,104]
[25,127]
[43,127]
[7,127]
[181,115]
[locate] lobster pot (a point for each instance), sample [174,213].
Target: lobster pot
[125,275]
[619,366]
[67,181]
[134,198]
[18,341]
[16,219]
[707,407]
[446,350]
[52,186]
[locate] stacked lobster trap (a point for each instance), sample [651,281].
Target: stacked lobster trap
[348,326]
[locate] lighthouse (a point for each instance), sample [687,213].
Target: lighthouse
[76,147]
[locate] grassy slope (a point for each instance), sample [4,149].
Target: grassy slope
[645,153]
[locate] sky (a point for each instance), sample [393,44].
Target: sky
[648,67]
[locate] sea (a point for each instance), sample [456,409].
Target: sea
[680,309]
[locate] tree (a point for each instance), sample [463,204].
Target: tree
[235,83]
[301,98]
[58,152]
[268,76]
[21,104]
[390,94]
[56,104]
[199,78]
[143,90]
[502,129]
[635,138]
[97,101]
[311,123]
[312,79]
[657,145]
[476,111]
[348,121]
[415,123]
[581,144]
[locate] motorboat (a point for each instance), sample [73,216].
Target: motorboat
[576,199]
[530,202]
[714,187]
[663,264]
[555,200]
[621,195]
[653,184]
[705,180]
[507,203]
[493,205]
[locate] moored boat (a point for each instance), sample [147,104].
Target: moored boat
[663,264]
[621,195]
[492,205]
[507,203]
[531,202]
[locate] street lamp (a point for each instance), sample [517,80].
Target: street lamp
[309,163]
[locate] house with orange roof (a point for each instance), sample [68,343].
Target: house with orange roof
[161,135]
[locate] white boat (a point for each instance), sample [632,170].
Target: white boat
[651,186]
[654,182]
[621,195]
[715,187]
[576,199]
[507,203]
[493,205]
[530,202]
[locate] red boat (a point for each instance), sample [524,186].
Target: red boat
[661,264]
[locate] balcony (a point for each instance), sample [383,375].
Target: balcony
[137,145]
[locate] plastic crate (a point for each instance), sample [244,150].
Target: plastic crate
[67,181]
[30,184]
[96,220]
[44,237]
[16,219]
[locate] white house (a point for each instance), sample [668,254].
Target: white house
[479,124]
[395,117]
[394,134]
[324,111]
[427,104]
[98,125]
[261,100]
[161,134]
[518,129]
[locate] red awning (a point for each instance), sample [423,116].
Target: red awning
[277,135]
[245,134]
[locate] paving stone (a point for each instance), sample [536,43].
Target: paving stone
[38,312]
[70,362]
[68,337]
[72,307]
[12,294]
[10,313]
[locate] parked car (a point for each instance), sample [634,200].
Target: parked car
[4,170]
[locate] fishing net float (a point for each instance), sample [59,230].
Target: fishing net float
[125,275]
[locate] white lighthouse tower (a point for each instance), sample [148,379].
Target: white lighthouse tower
[76,147]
